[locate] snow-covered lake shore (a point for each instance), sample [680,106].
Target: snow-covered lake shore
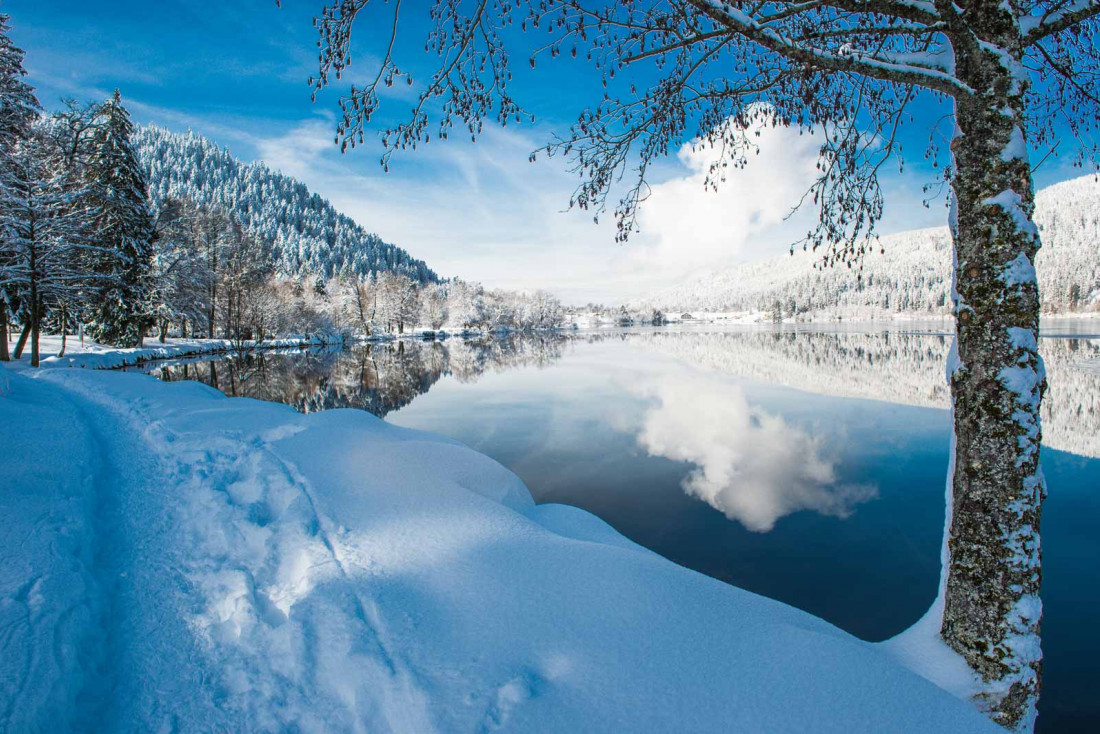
[91,355]
[177,559]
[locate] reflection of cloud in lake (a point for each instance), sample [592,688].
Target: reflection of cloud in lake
[752,466]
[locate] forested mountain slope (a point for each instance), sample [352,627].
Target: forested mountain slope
[308,236]
[913,274]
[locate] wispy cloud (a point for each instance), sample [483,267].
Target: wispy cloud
[300,151]
[236,72]
[483,211]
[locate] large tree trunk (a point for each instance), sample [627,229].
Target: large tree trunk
[23,336]
[64,331]
[229,315]
[212,313]
[992,608]
[36,325]
[4,356]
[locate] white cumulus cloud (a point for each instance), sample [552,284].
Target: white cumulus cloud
[686,226]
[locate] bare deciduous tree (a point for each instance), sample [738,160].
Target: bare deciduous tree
[245,268]
[433,306]
[360,296]
[1007,75]
[182,276]
[47,237]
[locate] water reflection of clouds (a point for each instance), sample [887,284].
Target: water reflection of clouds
[751,465]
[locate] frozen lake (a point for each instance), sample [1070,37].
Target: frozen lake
[805,464]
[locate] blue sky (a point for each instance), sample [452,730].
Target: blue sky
[236,72]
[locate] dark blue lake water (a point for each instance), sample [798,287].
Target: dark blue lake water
[805,465]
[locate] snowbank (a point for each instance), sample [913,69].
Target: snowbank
[204,563]
[99,356]
[91,355]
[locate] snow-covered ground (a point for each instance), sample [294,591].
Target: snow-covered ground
[100,356]
[177,560]
[92,355]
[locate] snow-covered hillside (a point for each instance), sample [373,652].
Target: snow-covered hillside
[308,235]
[912,274]
[201,563]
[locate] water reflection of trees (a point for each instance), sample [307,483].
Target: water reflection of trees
[897,367]
[378,377]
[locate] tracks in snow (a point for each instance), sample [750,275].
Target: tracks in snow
[229,603]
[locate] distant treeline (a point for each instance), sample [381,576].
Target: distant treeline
[912,275]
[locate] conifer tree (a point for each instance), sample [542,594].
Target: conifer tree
[18,110]
[123,229]
[19,106]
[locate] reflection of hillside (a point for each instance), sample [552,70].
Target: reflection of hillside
[379,378]
[893,367]
[471,359]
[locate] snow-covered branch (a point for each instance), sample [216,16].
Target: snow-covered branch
[1036,28]
[855,61]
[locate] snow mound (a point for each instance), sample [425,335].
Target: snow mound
[177,560]
[95,356]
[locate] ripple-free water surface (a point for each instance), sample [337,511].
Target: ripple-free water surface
[808,466]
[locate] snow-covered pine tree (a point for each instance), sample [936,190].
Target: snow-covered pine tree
[307,236]
[19,108]
[124,229]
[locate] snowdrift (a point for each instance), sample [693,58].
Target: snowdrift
[173,559]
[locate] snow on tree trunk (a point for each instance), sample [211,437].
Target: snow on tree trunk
[992,608]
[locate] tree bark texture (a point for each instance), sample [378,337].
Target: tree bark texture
[21,344]
[992,609]
[4,356]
